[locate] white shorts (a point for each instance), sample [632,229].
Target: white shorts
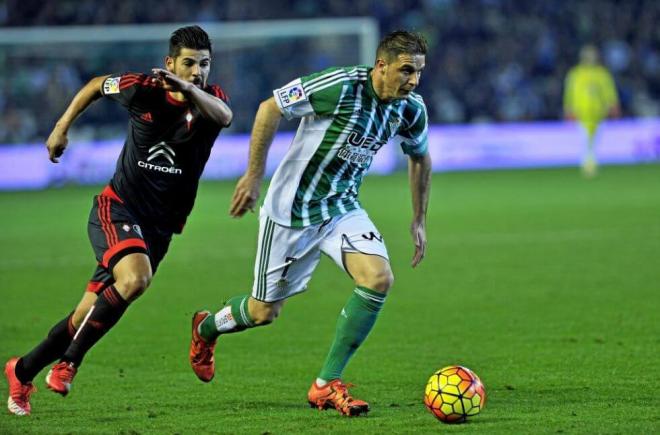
[286,256]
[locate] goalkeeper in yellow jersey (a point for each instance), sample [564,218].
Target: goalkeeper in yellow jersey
[589,97]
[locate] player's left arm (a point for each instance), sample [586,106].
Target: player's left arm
[413,139]
[210,106]
[611,95]
[419,174]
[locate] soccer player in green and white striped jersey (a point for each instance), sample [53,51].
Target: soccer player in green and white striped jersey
[312,206]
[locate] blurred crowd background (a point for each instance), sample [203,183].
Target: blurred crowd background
[489,60]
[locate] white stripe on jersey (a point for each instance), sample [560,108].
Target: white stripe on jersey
[419,112]
[324,76]
[341,138]
[335,181]
[310,85]
[335,80]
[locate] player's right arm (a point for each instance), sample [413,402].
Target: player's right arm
[57,140]
[308,95]
[248,187]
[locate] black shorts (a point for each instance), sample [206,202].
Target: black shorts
[115,233]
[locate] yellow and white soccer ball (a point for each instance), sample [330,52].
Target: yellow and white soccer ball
[454,393]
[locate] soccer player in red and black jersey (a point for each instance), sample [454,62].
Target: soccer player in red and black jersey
[175,117]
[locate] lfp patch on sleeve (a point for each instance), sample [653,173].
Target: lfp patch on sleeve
[290,95]
[111,85]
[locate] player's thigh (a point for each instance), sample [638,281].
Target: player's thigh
[356,245]
[113,232]
[371,271]
[286,258]
[354,233]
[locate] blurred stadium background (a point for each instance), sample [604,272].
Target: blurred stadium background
[493,82]
[545,284]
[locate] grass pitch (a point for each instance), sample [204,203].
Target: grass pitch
[545,284]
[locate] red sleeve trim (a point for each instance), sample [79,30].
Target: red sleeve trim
[131,79]
[128,243]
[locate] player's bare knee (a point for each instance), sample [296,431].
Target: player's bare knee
[380,280]
[383,280]
[131,286]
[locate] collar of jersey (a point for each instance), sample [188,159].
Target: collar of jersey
[175,102]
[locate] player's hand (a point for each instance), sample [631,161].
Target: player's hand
[245,195]
[615,112]
[418,232]
[56,144]
[169,81]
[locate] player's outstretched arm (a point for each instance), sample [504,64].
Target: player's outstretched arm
[419,174]
[211,107]
[248,187]
[57,140]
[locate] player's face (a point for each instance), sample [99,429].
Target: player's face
[191,65]
[401,75]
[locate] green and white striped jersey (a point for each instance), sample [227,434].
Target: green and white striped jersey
[343,125]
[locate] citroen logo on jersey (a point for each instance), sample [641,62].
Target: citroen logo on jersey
[164,150]
[161,149]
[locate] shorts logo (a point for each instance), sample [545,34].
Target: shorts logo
[111,85]
[371,236]
[291,95]
[138,230]
[126,227]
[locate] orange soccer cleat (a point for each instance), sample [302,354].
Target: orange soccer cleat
[60,377]
[335,394]
[19,393]
[201,352]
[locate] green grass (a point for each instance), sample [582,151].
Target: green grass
[545,284]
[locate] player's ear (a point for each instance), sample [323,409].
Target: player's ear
[169,63]
[381,65]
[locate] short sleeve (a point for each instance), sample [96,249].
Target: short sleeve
[414,138]
[315,94]
[123,88]
[292,100]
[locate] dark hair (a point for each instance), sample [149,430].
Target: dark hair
[401,41]
[189,37]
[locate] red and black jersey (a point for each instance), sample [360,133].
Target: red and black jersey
[167,147]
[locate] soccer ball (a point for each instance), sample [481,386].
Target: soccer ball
[454,393]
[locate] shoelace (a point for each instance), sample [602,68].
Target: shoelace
[22,396]
[67,372]
[203,352]
[341,391]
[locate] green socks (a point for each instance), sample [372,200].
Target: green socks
[355,321]
[233,317]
